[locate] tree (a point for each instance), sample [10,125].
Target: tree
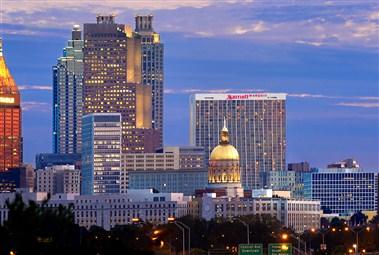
[358,218]
[375,220]
[40,228]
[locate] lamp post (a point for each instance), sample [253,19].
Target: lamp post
[356,232]
[189,234]
[182,226]
[247,229]
[323,233]
[284,237]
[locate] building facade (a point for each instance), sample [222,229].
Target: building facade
[256,124]
[292,181]
[101,154]
[152,68]
[343,191]
[176,160]
[300,215]
[299,167]
[58,179]
[109,210]
[53,159]
[346,163]
[10,118]
[112,82]
[22,177]
[68,96]
[185,181]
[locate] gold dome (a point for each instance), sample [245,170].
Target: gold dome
[7,84]
[224,151]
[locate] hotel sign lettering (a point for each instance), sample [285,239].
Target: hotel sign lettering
[244,96]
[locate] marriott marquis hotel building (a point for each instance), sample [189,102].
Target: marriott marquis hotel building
[257,127]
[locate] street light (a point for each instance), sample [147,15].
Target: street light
[247,229]
[356,232]
[182,226]
[285,236]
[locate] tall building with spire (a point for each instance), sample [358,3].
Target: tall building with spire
[152,53]
[112,82]
[10,119]
[68,96]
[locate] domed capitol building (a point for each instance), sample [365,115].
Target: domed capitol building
[224,167]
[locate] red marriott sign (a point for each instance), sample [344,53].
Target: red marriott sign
[244,96]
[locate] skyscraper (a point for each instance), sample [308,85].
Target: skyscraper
[101,157]
[10,119]
[68,96]
[112,82]
[256,124]
[152,67]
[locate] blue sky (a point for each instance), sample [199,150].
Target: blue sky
[324,54]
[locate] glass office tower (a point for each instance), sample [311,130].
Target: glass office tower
[101,154]
[68,96]
[152,68]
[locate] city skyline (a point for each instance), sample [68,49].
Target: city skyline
[234,63]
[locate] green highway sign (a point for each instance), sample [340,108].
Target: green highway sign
[280,249]
[250,249]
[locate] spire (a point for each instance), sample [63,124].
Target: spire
[224,128]
[1,47]
[224,134]
[7,84]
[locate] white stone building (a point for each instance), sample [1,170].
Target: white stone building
[299,215]
[109,210]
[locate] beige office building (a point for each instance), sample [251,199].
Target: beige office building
[58,179]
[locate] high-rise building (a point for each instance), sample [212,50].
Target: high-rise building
[112,82]
[101,154]
[10,118]
[257,127]
[68,96]
[152,53]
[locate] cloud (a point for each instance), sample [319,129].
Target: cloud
[360,104]
[317,44]
[34,87]
[35,106]
[316,23]
[98,6]
[215,91]
[254,28]
[309,95]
